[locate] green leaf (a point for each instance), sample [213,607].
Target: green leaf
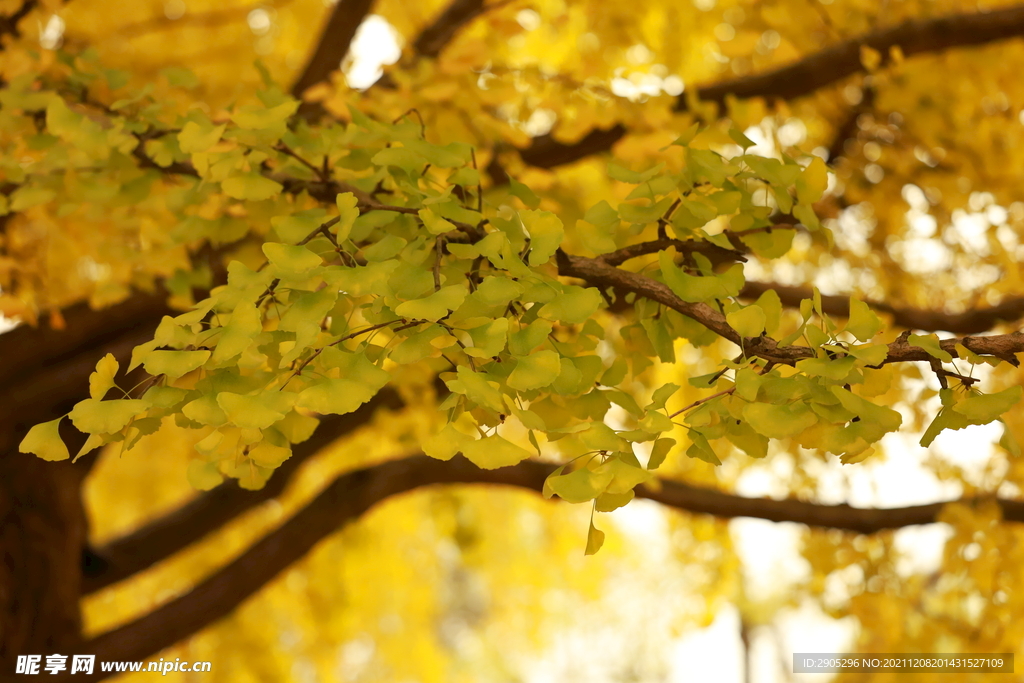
[580,485]
[983,408]
[255,412]
[697,289]
[874,419]
[435,224]
[245,323]
[811,183]
[298,226]
[946,419]
[194,138]
[537,370]
[863,323]
[26,196]
[546,234]
[94,416]
[289,259]
[203,475]
[595,539]
[573,305]
[659,452]
[173,364]
[748,321]
[44,441]
[930,343]
[701,449]
[446,443]
[435,306]
[740,139]
[347,214]
[251,186]
[607,502]
[255,117]
[478,387]
[180,77]
[524,193]
[624,175]
[335,396]
[101,381]
[778,421]
[492,452]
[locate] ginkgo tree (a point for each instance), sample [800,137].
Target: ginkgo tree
[260,269]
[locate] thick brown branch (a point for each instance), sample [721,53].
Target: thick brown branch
[973,321]
[350,495]
[433,38]
[334,43]
[161,538]
[815,71]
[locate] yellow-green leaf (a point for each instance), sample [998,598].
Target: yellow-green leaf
[44,441]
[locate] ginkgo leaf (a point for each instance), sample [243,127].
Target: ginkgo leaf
[347,215]
[595,539]
[435,306]
[173,364]
[94,416]
[435,224]
[749,321]
[255,411]
[574,305]
[291,259]
[102,380]
[778,421]
[337,396]
[446,443]
[492,452]
[983,408]
[537,370]
[930,343]
[44,441]
[659,452]
[244,324]
[546,234]
[252,187]
[863,323]
[581,485]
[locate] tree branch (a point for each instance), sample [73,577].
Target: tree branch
[598,273]
[435,37]
[161,538]
[812,72]
[352,494]
[334,43]
[9,23]
[972,321]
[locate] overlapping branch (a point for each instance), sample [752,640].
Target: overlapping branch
[350,495]
[813,72]
[971,321]
[144,547]
[598,273]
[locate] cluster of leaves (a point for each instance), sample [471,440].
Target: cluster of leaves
[347,288]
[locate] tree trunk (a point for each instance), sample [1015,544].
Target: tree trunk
[42,538]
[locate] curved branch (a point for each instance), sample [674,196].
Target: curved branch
[352,494]
[127,555]
[435,37]
[600,274]
[813,72]
[972,321]
[334,43]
